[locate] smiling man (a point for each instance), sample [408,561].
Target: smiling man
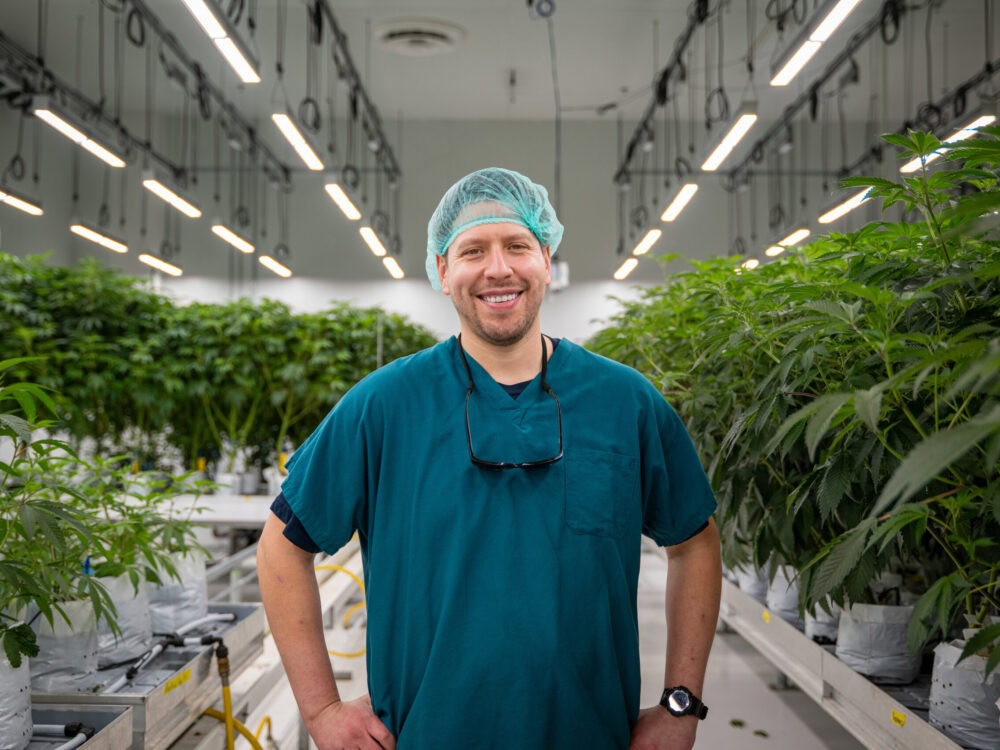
[499,483]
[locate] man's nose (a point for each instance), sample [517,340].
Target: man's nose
[497,265]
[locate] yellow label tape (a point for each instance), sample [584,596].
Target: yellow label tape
[767,616]
[898,719]
[176,681]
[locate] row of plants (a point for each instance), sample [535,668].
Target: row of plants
[68,524]
[146,377]
[845,397]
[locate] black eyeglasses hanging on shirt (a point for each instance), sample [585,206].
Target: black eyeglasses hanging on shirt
[501,465]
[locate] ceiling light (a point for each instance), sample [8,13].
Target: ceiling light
[807,43]
[160,265]
[746,116]
[795,237]
[20,202]
[272,265]
[681,200]
[89,233]
[298,141]
[227,234]
[372,241]
[626,268]
[774,251]
[155,184]
[340,198]
[62,121]
[223,33]
[394,270]
[647,242]
[750,263]
[845,207]
[961,134]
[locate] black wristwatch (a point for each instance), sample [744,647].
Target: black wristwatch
[682,702]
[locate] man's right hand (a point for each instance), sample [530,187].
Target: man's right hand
[350,726]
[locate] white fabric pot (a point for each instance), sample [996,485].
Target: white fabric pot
[871,639]
[783,596]
[274,479]
[15,704]
[249,483]
[752,581]
[229,483]
[67,653]
[178,602]
[133,618]
[963,702]
[822,627]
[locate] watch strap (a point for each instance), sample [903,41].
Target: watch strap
[695,707]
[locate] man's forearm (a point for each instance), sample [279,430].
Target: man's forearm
[694,587]
[290,594]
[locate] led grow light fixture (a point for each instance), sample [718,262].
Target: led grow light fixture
[157,185]
[20,202]
[225,37]
[964,132]
[98,237]
[160,265]
[297,139]
[844,207]
[626,268]
[60,120]
[830,16]
[683,197]
[371,239]
[394,270]
[647,242]
[272,265]
[745,118]
[343,201]
[226,234]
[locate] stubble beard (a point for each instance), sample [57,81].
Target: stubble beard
[500,336]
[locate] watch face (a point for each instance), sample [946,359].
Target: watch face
[679,700]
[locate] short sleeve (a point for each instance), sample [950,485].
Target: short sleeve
[294,531]
[327,482]
[677,496]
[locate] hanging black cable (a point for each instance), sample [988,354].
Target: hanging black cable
[42,27]
[281,13]
[309,114]
[557,186]
[15,167]
[716,99]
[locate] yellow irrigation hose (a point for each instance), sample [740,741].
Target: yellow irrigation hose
[228,718]
[351,611]
[361,584]
[238,725]
[266,721]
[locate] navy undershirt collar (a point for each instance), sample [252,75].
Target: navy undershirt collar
[516,389]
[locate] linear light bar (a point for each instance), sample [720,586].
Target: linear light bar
[219,29]
[227,234]
[845,207]
[160,265]
[340,198]
[76,131]
[774,251]
[297,140]
[683,197]
[20,203]
[961,134]
[98,237]
[394,270]
[795,237]
[745,118]
[154,184]
[750,263]
[626,268]
[807,43]
[647,242]
[272,265]
[371,239]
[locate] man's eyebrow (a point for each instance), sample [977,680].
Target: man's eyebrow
[523,236]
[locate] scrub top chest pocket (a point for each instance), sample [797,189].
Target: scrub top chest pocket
[599,487]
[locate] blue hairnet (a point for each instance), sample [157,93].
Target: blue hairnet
[490,196]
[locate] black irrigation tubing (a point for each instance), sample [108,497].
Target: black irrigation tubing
[225,105]
[847,53]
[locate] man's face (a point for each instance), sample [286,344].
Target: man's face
[492,261]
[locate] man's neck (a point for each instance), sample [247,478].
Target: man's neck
[508,364]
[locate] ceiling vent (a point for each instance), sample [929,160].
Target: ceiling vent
[418,37]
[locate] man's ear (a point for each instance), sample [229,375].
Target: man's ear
[548,265]
[442,266]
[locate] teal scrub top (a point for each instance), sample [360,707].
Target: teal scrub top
[501,605]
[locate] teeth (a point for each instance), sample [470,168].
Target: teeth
[504,298]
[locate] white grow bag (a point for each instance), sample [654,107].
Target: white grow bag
[133,619]
[176,603]
[963,703]
[15,704]
[871,640]
[67,652]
